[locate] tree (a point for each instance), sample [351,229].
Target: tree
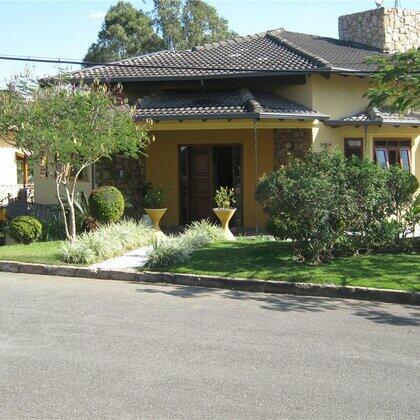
[66,129]
[176,24]
[201,24]
[126,32]
[396,83]
[184,24]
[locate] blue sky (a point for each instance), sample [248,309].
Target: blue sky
[65,29]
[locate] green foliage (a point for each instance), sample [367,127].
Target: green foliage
[330,205]
[396,83]
[177,249]
[106,204]
[106,242]
[25,229]
[52,227]
[154,198]
[167,252]
[224,198]
[184,24]
[128,32]
[69,128]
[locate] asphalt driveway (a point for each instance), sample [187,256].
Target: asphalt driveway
[77,348]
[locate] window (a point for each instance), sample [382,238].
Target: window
[353,147]
[393,152]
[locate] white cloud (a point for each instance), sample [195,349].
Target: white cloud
[97,15]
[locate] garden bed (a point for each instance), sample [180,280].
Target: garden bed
[265,260]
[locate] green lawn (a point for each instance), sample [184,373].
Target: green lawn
[266,260]
[38,252]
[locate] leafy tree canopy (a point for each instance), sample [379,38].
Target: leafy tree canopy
[126,32]
[173,24]
[65,129]
[396,83]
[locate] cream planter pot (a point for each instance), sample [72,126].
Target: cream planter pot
[224,216]
[155,215]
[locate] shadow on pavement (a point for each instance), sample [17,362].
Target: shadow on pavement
[373,311]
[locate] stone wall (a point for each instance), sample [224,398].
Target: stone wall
[290,142]
[389,29]
[127,175]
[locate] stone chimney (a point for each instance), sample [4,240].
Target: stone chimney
[389,29]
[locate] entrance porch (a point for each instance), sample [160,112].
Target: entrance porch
[192,164]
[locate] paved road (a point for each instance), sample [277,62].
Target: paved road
[75,348]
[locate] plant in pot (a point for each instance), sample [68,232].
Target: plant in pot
[154,200]
[224,199]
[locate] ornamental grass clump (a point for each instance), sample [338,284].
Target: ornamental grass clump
[107,242]
[177,249]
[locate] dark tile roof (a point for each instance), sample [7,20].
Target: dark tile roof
[272,52]
[374,116]
[220,104]
[339,55]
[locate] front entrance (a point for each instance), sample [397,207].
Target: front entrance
[202,170]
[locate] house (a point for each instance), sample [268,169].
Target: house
[228,112]
[14,172]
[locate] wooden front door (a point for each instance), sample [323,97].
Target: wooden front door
[200,182]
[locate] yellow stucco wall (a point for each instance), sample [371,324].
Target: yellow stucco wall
[8,166]
[45,190]
[162,164]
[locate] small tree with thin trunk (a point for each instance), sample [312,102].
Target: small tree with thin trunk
[66,128]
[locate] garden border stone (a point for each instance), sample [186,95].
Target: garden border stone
[265,286]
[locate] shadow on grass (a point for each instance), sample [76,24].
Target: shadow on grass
[373,311]
[273,261]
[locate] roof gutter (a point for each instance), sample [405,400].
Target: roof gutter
[249,115]
[338,123]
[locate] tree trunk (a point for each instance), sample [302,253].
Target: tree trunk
[63,210]
[72,214]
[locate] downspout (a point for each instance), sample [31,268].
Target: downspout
[256,174]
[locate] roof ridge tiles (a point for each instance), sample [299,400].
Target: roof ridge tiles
[277,38]
[235,40]
[250,101]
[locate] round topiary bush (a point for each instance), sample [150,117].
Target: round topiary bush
[106,204]
[25,229]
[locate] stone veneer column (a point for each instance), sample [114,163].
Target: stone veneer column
[126,174]
[387,28]
[290,142]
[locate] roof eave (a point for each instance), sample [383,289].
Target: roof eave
[308,116]
[248,115]
[338,123]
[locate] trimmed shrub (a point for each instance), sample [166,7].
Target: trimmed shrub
[106,242]
[177,249]
[106,204]
[25,229]
[329,205]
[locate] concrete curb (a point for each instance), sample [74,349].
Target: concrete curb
[265,286]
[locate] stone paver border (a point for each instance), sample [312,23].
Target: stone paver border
[265,286]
